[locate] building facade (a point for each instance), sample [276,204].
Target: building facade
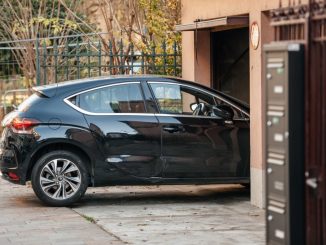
[222,47]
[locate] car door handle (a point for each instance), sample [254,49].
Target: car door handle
[173,129]
[228,122]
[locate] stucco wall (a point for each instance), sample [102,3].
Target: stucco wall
[204,9]
[199,69]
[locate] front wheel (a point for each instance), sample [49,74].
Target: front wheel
[59,178]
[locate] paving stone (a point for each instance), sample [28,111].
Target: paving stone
[214,214]
[24,220]
[183,215]
[4,240]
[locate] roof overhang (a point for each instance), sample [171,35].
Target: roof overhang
[217,24]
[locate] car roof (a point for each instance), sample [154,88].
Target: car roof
[90,82]
[86,83]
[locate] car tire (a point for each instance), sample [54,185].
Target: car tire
[60,178]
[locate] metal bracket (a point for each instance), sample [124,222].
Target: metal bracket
[312,182]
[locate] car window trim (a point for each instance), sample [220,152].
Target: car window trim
[149,98]
[188,116]
[196,88]
[67,101]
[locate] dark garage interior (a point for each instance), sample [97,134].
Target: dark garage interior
[230,62]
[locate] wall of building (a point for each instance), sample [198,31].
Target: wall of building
[197,66]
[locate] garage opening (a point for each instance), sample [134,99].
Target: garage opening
[230,62]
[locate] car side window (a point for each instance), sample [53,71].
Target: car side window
[124,98]
[177,99]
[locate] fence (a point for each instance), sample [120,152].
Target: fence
[60,59]
[73,60]
[290,23]
[10,72]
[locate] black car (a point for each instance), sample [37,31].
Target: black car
[133,130]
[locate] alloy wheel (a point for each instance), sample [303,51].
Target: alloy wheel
[60,179]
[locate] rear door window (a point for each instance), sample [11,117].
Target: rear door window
[120,98]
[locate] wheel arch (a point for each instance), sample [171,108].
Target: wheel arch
[61,145]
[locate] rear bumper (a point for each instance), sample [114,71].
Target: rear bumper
[10,167]
[8,159]
[11,176]
[12,154]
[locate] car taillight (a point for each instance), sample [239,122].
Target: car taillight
[23,125]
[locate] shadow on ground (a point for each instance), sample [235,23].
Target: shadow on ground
[165,194]
[136,195]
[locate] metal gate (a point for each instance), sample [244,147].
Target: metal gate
[84,57]
[316,126]
[307,24]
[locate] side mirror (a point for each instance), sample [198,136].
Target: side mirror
[224,111]
[193,106]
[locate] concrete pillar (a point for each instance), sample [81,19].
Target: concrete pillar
[188,56]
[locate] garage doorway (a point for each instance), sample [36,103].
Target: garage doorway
[230,62]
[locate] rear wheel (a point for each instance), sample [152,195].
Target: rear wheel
[59,178]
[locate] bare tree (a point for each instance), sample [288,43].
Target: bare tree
[24,22]
[144,23]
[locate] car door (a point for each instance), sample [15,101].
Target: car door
[126,133]
[198,144]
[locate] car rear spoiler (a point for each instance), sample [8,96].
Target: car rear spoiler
[40,93]
[46,91]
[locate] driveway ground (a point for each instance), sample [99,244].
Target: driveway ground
[23,220]
[212,214]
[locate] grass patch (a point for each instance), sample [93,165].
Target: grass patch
[89,219]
